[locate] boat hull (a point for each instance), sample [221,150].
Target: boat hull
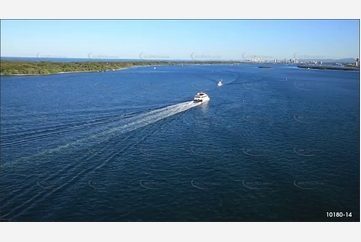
[203,100]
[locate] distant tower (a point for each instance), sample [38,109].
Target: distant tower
[357,62]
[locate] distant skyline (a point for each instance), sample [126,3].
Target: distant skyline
[181,39]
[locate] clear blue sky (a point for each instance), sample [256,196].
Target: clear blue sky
[181,39]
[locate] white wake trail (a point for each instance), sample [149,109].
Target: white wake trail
[148,118]
[125,126]
[153,117]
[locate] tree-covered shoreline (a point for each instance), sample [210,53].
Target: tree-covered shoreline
[321,67]
[14,67]
[49,67]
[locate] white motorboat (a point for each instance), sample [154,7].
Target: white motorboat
[220,83]
[201,97]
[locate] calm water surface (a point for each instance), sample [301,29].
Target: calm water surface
[279,144]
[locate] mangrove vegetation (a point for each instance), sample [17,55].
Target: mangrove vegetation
[49,67]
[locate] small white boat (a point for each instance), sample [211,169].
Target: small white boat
[220,83]
[155,68]
[201,97]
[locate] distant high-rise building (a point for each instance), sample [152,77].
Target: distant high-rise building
[357,62]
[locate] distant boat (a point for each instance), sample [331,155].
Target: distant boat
[155,68]
[220,83]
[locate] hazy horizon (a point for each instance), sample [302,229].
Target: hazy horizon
[162,60]
[181,39]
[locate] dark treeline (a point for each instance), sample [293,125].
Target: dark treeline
[345,68]
[49,67]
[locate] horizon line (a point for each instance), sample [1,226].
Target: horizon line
[174,59]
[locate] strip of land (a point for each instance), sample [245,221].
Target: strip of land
[342,68]
[49,67]
[23,68]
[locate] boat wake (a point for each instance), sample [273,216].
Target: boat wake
[118,126]
[65,174]
[141,120]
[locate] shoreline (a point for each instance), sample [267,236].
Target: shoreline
[102,69]
[63,72]
[11,68]
[329,68]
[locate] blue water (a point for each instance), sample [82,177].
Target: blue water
[279,144]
